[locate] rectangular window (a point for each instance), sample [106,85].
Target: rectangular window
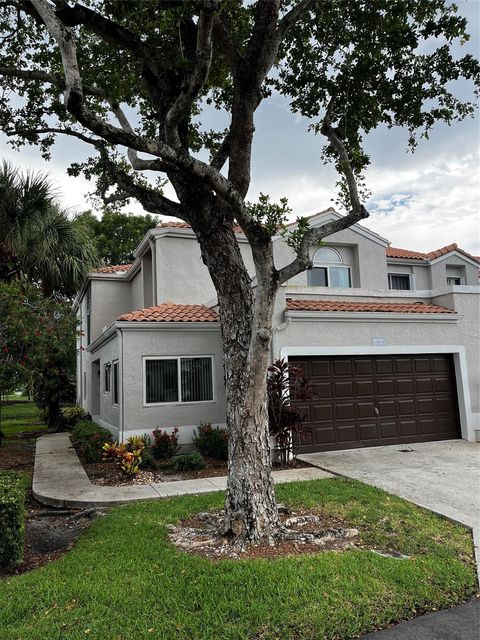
[115,383]
[399,281]
[84,385]
[338,277]
[454,281]
[178,380]
[107,368]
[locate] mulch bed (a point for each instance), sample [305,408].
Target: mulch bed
[109,474]
[17,453]
[49,534]
[303,531]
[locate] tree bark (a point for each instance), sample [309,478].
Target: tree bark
[246,317]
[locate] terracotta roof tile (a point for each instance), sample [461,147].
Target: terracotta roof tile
[362,307]
[185,225]
[171,312]
[395,252]
[112,268]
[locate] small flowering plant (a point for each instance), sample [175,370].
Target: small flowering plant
[128,455]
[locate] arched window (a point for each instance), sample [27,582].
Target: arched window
[328,270]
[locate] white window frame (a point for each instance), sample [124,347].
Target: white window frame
[107,366]
[115,363]
[411,281]
[179,380]
[335,265]
[454,284]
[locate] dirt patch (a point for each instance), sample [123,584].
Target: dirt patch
[109,474]
[17,454]
[300,532]
[50,534]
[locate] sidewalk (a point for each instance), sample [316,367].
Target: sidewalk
[59,480]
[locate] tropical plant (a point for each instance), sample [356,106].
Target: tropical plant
[38,241]
[286,388]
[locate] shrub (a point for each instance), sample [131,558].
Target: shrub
[211,441]
[129,455]
[129,462]
[72,414]
[12,519]
[188,462]
[166,444]
[90,438]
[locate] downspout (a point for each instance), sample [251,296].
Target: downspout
[153,250]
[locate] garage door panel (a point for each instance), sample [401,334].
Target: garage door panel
[369,401]
[405,386]
[424,385]
[322,412]
[364,388]
[368,431]
[345,411]
[386,408]
[343,389]
[321,389]
[366,409]
[385,387]
[346,433]
[363,367]
[342,368]
[406,407]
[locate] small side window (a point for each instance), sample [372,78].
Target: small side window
[107,372]
[115,383]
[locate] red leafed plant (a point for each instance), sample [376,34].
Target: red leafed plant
[286,387]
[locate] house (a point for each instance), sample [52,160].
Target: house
[390,338]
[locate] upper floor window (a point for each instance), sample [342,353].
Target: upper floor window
[88,314]
[400,281]
[454,280]
[328,270]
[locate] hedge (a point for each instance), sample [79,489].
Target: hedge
[12,519]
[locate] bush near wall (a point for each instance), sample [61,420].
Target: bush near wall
[12,519]
[89,437]
[211,441]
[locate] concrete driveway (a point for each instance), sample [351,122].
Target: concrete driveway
[441,476]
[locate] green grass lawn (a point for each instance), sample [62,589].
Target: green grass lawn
[124,581]
[22,415]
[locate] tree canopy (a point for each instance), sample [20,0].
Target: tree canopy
[39,242]
[116,235]
[133,79]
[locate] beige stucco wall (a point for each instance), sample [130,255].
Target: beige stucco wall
[139,418]
[439,271]
[110,299]
[136,288]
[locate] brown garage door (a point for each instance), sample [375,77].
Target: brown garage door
[367,401]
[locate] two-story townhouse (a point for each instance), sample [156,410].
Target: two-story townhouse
[390,338]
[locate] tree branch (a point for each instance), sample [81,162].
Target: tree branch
[195,80]
[60,130]
[292,16]
[56,79]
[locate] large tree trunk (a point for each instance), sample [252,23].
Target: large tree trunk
[246,317]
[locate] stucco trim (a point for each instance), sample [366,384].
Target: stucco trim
[467,416]
[167,326]
[455,254]
[108,335]
[355,316]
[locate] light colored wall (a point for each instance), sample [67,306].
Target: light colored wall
[181,275]
[109,300]
[136,289]
[439,271]
[109,414]
[139,418]
[367,259]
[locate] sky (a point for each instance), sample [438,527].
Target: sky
[419,201]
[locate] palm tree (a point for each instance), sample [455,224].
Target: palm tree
[38,241]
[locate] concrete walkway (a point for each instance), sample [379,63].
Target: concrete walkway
[59,480]
[441,476]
